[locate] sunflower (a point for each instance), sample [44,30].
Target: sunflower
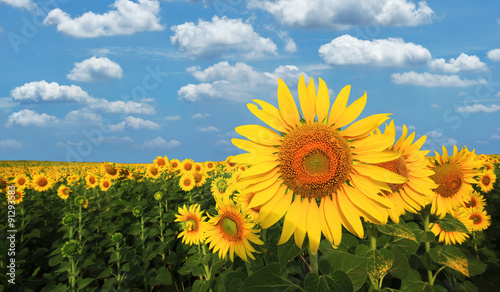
[41,182]
[219,186]
[486,181]
[244,200]
[153,171]
[187,182]
[480,219]
[92,181]
[104,184]
[63,192]
[198,167]
[200,178]
[311,160]
[475,200]
[161,162]
[194,224]
[209,166]
[488,166]
[18,196]
[21,181]
[187,166]
[416,192]
[452,237]
[175,165]
[454,176]
[232,231]
[110,170]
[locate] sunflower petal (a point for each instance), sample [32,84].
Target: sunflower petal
[291,219]
[259,134]
[301,229]
[307,101]
[313,225]
[251,146]
[271,214]
[380,174]
[259,169]
[288,108]
[377,157]
[265,195]
[333,219]
[253,158]
[352,112]
[269,115]
[365,126]
[322,101]
[339,106]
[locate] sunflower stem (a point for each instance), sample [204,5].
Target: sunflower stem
[427,250]
[372,235]
[313,260]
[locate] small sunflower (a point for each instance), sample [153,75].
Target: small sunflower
[486,181]
[91,181]
[187,166]
[480,219]
[475,200]
[161,162]
[187,182]
[18,196]
[21,181]
[104,184]
[231,231]
[175,165]
[454,176]
[244,200]
[63,192]
[153,171]
[209,165]
[41,182]
[219,186]
[110,170]
[193,223]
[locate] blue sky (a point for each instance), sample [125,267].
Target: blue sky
[126,81]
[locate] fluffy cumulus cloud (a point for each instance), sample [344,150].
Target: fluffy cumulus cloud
[26,4]
[28,117]
[479,108]
[160,143]
[239,82]
[438,139]
[464,62]
[120,106]
[172,118]
[42,91]
[348,50]
[95,69]
[208,129]
[494,55]
[343,14]
[82,115]
[219,37]
[433,80]
[200,116]
[10,144]
[125,18]
[134,123]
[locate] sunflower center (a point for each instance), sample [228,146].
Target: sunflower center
[449,177]
[476,219]
[229,227]
[486,180]
[221,185]
[92,180]
[105,184]
[66,191]
[397,166]
[187,182]
[161,162]
[471,204]
[314,160]
[21,181]
[154,171]
[191,225]
[42,182]
[110,169]
[17,195]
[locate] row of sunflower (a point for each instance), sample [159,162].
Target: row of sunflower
[367,210]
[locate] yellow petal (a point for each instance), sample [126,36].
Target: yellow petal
[352,112]
[269,115]
[364,207]
[251,146]
[265,195]
[402,138]
[311,88]
[260,185]
[380,174]
[271,213]
[259,134]
[324,224]
[322,101]
[260,168]
[301,229]
[291,219]
[313,225]
[377,157]
[333,219]
[253,158]
[365,126]
[339,106]
[288,108]
[372,143]
[349,215]
[307,101]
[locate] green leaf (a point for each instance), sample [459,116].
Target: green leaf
[35,233]
[401,230]
[163,276]
[35,272]
[201,286]
[451,224]
[414,283]
[106,273]
[266,279]
[405,246]
[379,263]
[339,281]
[401,268]
[450,256]
[82,283]
[354,266]
[287,252]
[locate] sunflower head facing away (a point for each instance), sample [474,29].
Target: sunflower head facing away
[318,166]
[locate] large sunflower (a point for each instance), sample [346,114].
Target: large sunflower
[41,182]
[314,169]
[454,176]
[194,224]
[232,231]
[417,191]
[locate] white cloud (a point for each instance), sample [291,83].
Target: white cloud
[134,123]
[112,140]
[28,117]
[82,115]
[10,144]
[495,137]
[464,62]
[343,14]
[159,142]
[208,129]
[119,106]
[26,4]
[290,45]
[127,17]
[348,50]
[409,127]
[440,138]
[38,91]
[494,55]
[220,37]
[476,108]
[172,118]
[240,82]
[95,69]
[6,102]
[432,80]
[435,105]
[200,116]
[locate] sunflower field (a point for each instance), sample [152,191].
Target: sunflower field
[367,210]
